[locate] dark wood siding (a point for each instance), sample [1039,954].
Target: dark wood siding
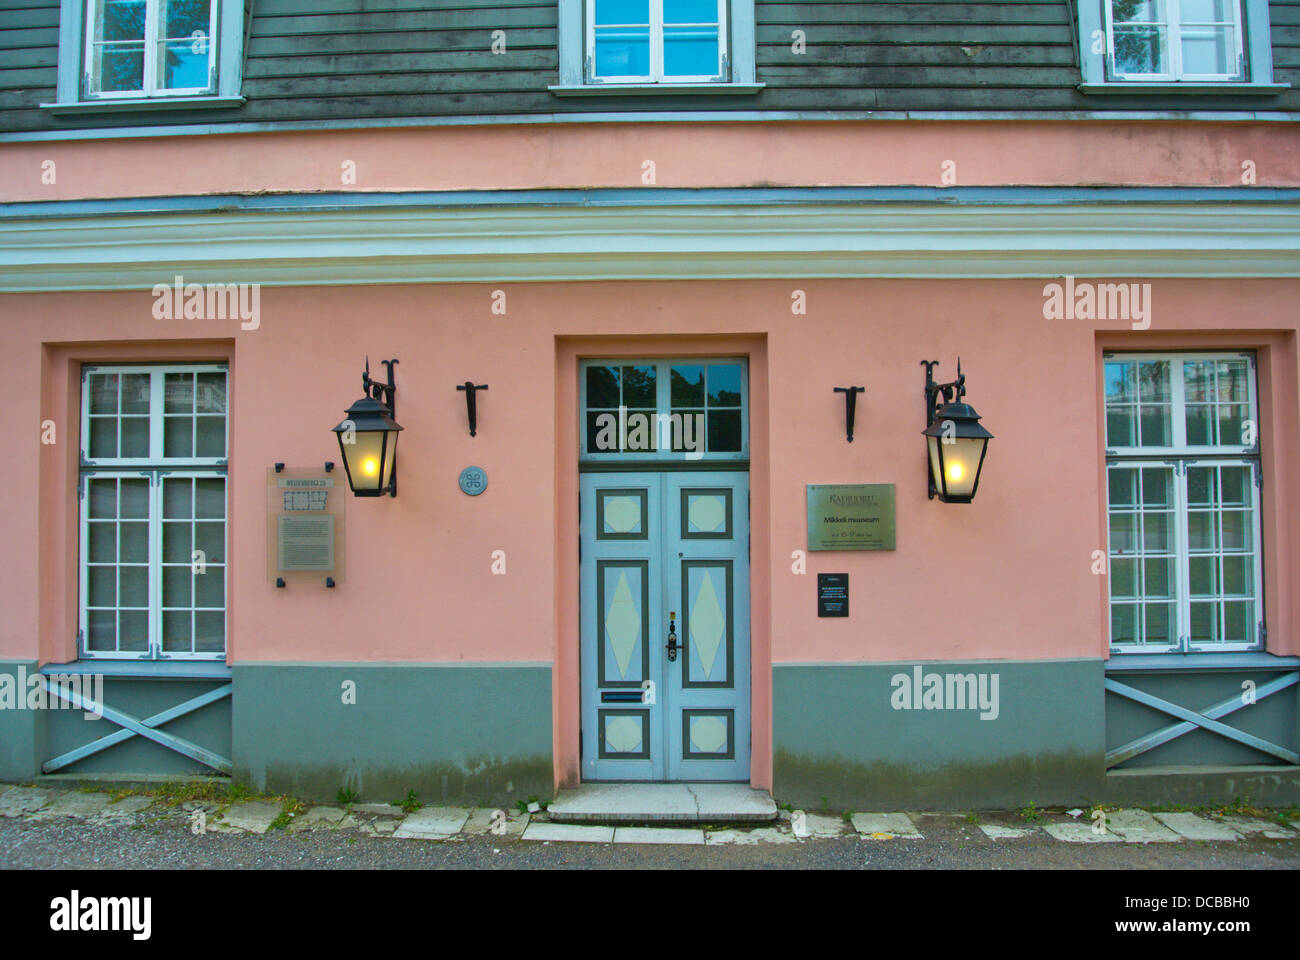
[315,60]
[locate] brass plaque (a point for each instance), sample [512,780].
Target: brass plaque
[304,525]
[850,516]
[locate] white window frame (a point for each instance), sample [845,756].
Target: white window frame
[656,25]
[75,94]
[1254,41]
[1179,456]
[151,88]
[1173,37]
[155,468]
[663,405]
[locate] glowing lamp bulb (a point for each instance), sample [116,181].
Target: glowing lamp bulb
[370,466]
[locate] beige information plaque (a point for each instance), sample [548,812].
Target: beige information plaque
[304,525]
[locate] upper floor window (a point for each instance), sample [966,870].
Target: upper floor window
[1183,474]
[653,41]
[150,47]
[1175,39]
[1176,46]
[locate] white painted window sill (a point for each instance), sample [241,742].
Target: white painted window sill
[653,89]
[150,103]
[1227,88]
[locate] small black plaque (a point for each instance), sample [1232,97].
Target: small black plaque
[832,594]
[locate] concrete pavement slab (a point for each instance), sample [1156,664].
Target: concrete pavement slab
[17,801]
[318,818]
[996,832]
[253,816]
[749,837]
[885,826]
[1192,827]
[569,833]
[658,835]
[1247,826]
[1078,833]
[1138,826]
[432,823]
[74,804]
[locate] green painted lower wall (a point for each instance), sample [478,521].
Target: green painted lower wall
[21,730]
[471,733]
[838,737]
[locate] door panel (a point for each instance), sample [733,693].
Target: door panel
[665,551]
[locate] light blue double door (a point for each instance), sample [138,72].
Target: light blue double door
[665,626]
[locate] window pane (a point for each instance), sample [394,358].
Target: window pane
[1236,530]
[1232,419]
[1209,50]
[210,437]
[623,52]
[209,631]
[1121,381]
[1203,575]
[135,499]
[210,498]
[101,587]
[177,503]
[1123,533]
[691,51]
[177,627]
[1198,380]
[210,588]
[1205,622]
[176,587]
[1235,482]
[135,437]
[1153,381]
[183,63]
[210,538]
[1123,487]
[210,393]
[1201,532]
[1238,622]
[118,68]
[1208,11]
[690,11]
[1140,50]
[1123,623]
[1155,427]
[133,630]
[103,498]
[1123,578]
[1232,386]
[1141,11]
[622,11]
[1157,537]
[724,385]
[1202,486]
[133,586]
[133,542]
[178,393]
[135,393]
[1159,620]
[178,437]
[103,542]
[602,387]
[1157,487]
[687,386]
[103,437]
[1121,427]
[639,387]
[181,18]
[1200,426]
[1238,577]
[176,542]
[119,19]
[1158,578]
[724,431]
[101,634]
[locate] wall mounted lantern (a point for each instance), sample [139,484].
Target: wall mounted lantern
[957,443]
[368,437]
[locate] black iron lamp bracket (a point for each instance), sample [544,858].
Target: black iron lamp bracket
[385,393]
[850,407]
[471,388]
[951,392]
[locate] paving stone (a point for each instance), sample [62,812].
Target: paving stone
[126,807]
[74,805]
[997,832]
[378,809]
[750,837]
[822,827]
[569,833]
[318,818]
[658,835]
[1138,826]
[17,801]
[1079,833]
[253,816]
[886,826]
[1249,825]
[378,827]
[481,822]
[433,823]
[1192,827]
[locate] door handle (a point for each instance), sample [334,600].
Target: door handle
[673,646]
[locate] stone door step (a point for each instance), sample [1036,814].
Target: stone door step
[662,803]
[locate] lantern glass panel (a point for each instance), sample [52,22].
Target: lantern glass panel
[960,464]
[368,467]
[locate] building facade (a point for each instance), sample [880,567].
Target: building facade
[669,237]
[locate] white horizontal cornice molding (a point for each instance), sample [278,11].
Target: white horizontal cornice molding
[447,243]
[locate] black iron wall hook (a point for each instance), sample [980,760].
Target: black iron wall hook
[850,407]
[470,388]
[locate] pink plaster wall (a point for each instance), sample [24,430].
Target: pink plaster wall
[1007,576]
[685,155]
